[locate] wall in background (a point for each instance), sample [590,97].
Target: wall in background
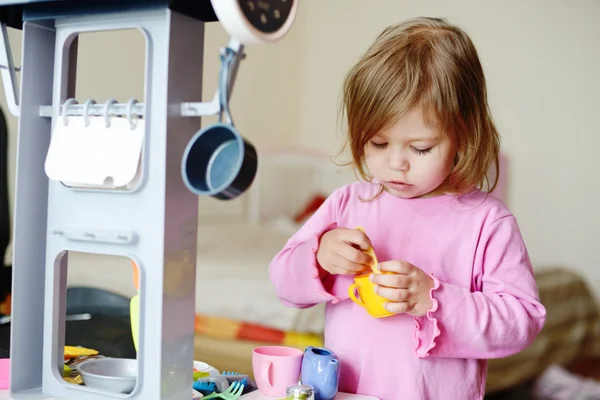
[541,59]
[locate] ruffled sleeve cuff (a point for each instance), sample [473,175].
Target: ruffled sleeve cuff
[312,283]
[427,330]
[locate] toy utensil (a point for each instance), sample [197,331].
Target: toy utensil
[232,393]
[371,252]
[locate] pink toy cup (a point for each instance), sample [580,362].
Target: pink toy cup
[275,368]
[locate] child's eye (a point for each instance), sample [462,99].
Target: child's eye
[422,151]
[379,145]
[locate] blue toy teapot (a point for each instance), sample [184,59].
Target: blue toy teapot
[321,370]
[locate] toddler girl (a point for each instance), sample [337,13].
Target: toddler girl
[459,281]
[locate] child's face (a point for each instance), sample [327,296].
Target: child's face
[410,158]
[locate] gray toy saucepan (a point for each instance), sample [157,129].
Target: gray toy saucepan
[218,161]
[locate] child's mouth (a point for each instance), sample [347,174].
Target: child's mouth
[398,184]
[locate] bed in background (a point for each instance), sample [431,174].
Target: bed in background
[235,249]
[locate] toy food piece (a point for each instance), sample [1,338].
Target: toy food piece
[71,375]
[134,319]
[75,351]
[199,374]
[75,381]
[370,252]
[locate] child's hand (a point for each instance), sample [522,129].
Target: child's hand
[407,288]
[339,252]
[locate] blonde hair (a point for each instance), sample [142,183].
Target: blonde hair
[430,63]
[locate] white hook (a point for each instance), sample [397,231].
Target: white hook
[213,106]
[66,108]
[130,105]
[86,107]
[106,115]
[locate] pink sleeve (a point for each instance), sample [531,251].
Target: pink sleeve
[501,319]
[294,271]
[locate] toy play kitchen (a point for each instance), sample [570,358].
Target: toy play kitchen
[123,178]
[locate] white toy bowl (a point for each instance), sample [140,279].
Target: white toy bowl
[115,375]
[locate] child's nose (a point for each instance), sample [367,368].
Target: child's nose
[398,162]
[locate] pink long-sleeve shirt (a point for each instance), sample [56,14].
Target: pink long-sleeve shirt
[485,299]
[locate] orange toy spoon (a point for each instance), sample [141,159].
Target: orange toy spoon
[370,252]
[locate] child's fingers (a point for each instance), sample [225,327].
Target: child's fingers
[397,266]
[337,270]
[395,281]
[354,255]
[398,307]
[348,266]
[393,294]
[357,238]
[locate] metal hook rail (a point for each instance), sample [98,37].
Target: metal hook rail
[187,109]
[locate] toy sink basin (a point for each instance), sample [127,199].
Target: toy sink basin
[115,375]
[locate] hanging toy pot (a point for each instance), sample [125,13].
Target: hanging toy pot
[218,161]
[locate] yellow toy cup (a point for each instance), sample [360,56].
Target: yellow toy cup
[367,298]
